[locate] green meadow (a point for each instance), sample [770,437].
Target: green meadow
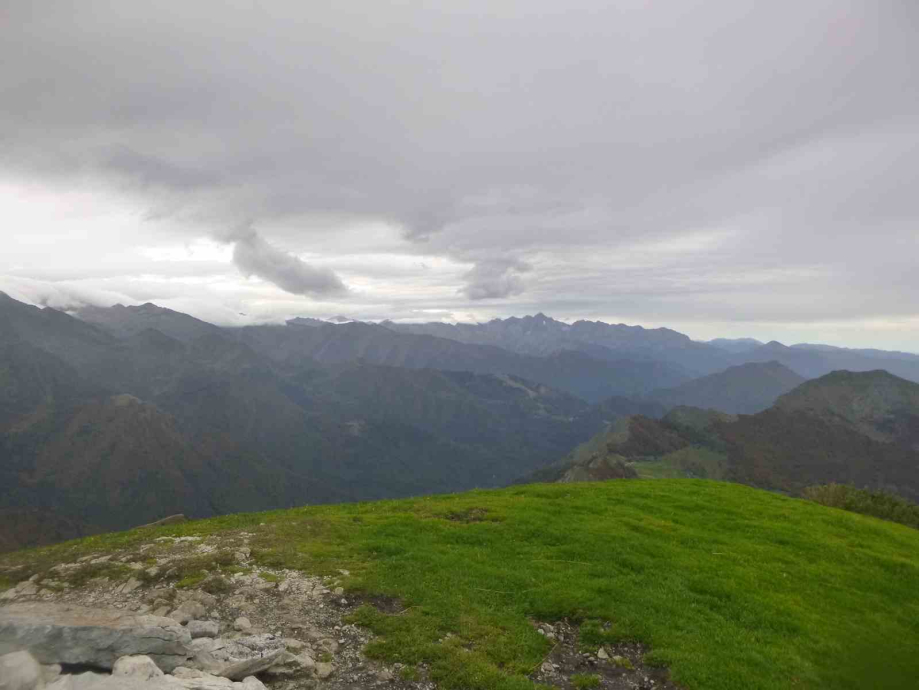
[729,587]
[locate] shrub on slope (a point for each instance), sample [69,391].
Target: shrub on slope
[879,504]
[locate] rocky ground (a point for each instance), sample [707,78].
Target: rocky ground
[199,613]
[613,667]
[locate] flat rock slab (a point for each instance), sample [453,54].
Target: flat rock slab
[67,634]
[201,681]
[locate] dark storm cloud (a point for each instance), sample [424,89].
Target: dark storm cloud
[593,141]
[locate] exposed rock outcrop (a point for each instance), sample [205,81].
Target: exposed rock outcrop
[69,634]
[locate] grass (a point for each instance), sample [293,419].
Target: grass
[730,587]
[692,461]
[880,504]
[582,681]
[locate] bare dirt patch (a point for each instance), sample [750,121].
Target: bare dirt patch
[572,665]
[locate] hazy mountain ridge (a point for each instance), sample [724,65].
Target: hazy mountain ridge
[125,321]
[210,425]
[217,420]
[574,372]
[542,335]
[813,361]
[846,427]
[742,389]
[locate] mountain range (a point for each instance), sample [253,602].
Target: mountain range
[112,417]
[110,424]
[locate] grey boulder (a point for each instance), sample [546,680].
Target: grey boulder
[68,634]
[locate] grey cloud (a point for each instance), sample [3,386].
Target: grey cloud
[551,132]
[146,170]
[254,256]
[495,279]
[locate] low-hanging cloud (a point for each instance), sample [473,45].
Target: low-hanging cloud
[253,256]
[64,295]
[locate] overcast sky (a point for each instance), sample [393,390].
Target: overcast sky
[727,168]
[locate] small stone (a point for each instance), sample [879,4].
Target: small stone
[253,683]
[208,601]
[601,654]
[289,664]
[338,591]
[161,611]
[20,671]
[27,588]
[137,666]
[187,611]
[328,645]
[130,586]
[242,624]
[385,675]
[324,670]
[193,679]
[294,645]
[203,629]
[152,571]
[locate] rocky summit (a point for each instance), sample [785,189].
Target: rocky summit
[107,622]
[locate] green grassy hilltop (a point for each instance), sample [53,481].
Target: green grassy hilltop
[728,586]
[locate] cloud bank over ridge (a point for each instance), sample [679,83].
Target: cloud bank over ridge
[729,167]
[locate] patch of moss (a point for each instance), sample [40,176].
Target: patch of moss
[595,633]
[409,673]
[192,580]
[216,585]
[113,571]
[582,681]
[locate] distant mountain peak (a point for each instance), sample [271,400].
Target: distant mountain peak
[742,389]
[776,345]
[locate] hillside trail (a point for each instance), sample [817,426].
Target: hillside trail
[234,607]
